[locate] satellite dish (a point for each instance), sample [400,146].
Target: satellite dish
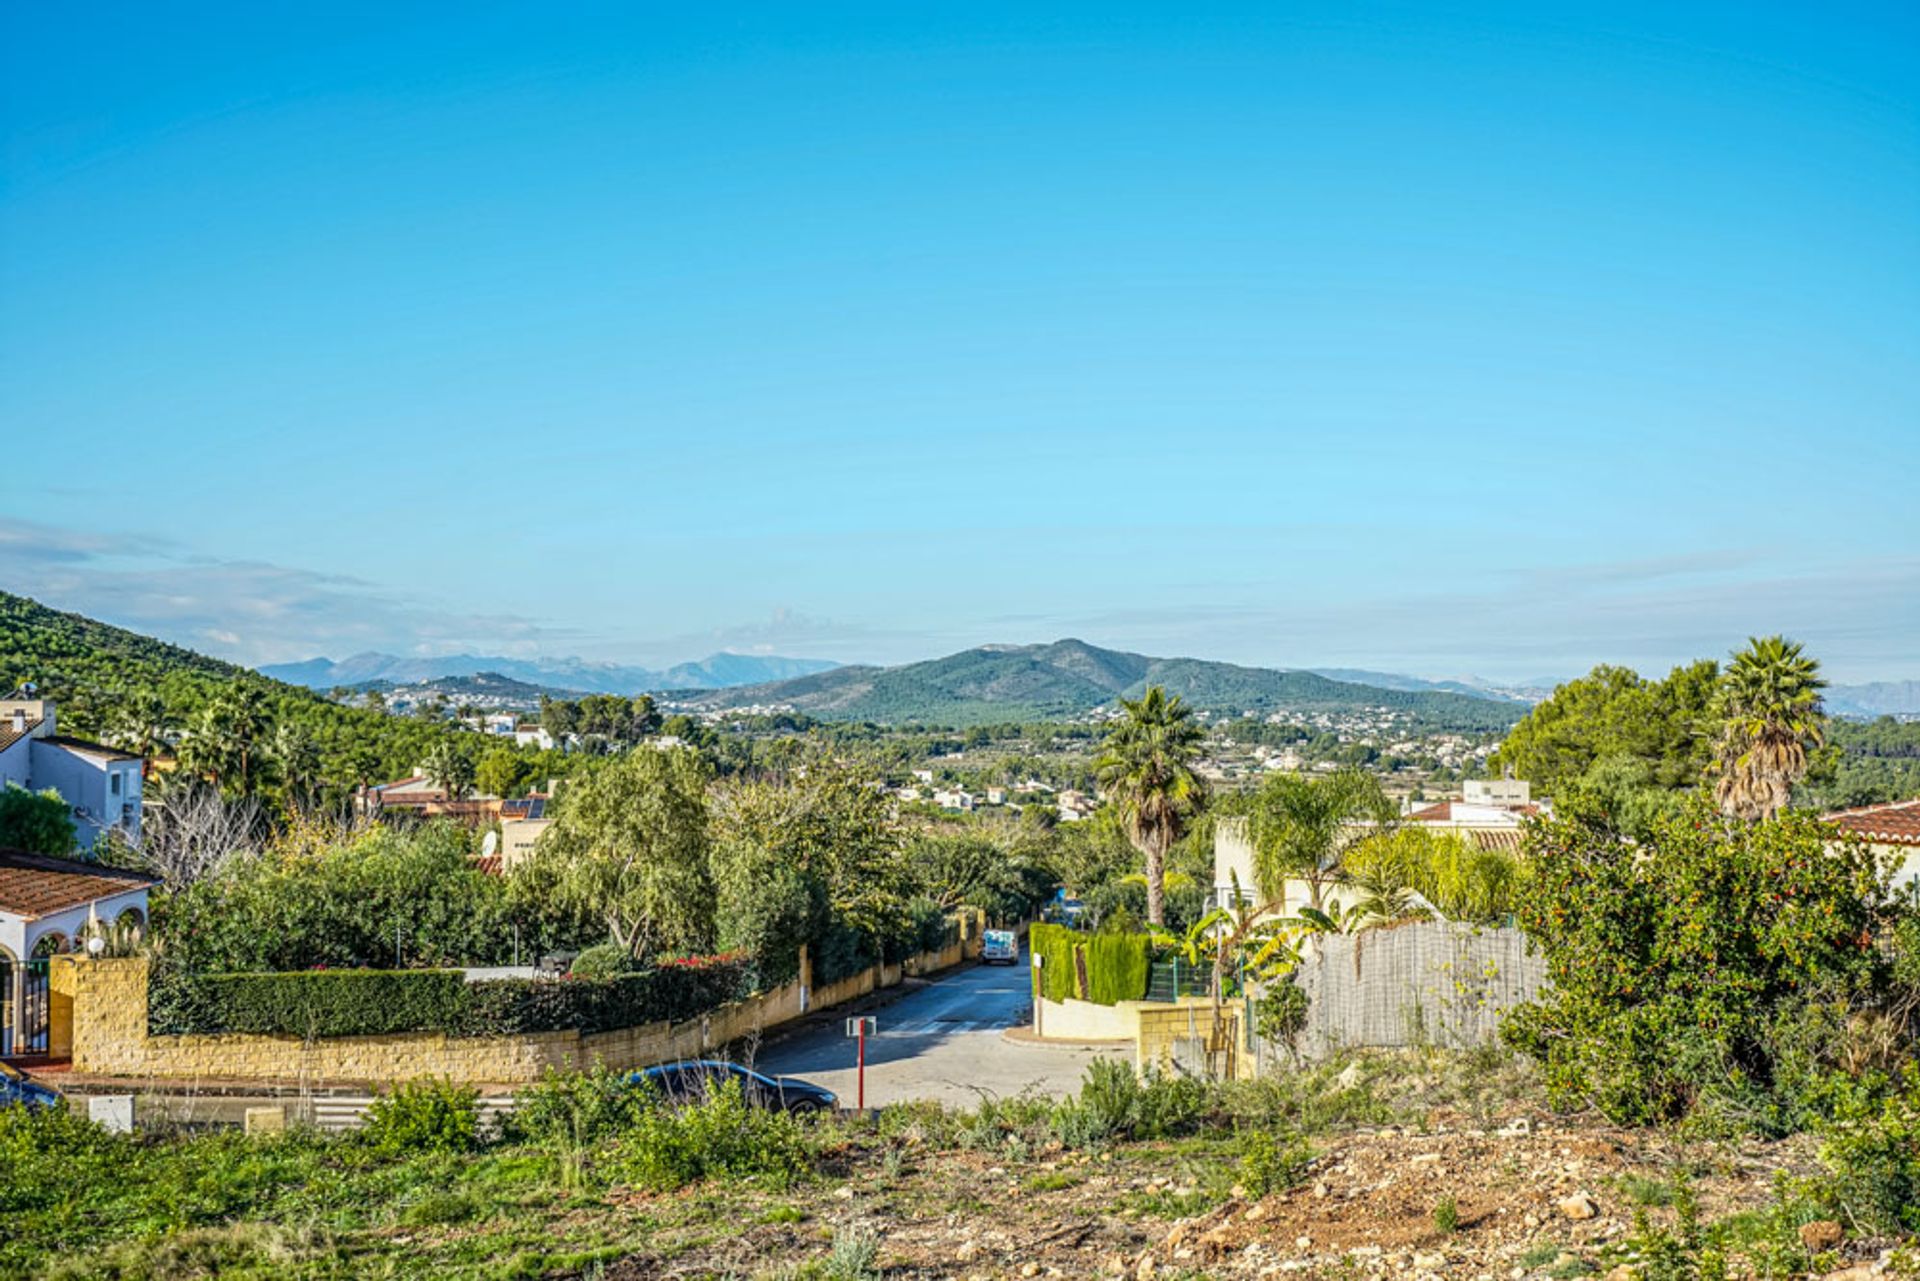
[488,846]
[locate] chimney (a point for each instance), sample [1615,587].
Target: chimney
[19,720]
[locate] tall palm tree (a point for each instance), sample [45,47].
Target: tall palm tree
[1146,769]
[299,760]
[448,769]
[140,724]
[1303,827]
[247,721]
[1771,719]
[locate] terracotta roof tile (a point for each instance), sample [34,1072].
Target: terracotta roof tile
[1894,823]
[36,885]
[8,735]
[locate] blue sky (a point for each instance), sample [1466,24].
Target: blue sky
[1502,339]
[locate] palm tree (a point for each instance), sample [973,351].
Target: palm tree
[1771,716]
[448,768]
[1146,771]
[299,761]
[140,724]
[1303,827]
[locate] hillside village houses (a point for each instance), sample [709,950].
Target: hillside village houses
[101,784]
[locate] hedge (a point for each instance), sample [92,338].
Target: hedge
[1103,968]
[374,1002]
[332,1002]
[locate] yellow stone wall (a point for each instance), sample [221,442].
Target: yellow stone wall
[1161,1025]
[100,1008]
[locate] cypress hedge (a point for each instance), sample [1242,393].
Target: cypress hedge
[1114,966]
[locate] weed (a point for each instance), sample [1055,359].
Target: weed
[1272,1162]
[423,1116]
[1446,1216]
[855,1252]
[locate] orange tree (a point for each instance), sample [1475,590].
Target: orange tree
[1718,965]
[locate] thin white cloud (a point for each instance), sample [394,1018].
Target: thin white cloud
[249,611]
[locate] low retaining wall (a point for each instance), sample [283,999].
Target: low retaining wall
[104,1004]
[1076,1020]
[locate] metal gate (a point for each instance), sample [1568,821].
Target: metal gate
[23,1007]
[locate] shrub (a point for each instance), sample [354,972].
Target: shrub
[423,1116]
[326,1002]
[1115,965]
[1272,1162]
[1872,1153]
[720,1136]
[601,961]
[579,1108]
[1680,965]
[1114,1103]
[374,1002]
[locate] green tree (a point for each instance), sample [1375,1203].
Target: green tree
[1146,770]
[140,724]
[629,847]
[38,822]
[1303,827]
[1612,713]
[449,769]
[1771,719]
[501,772]
[298,758]
[230,741]
[1702,963]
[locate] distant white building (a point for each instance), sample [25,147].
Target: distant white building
[101,784]
[533,736]
[954,799]
[924,775]
[1497,791]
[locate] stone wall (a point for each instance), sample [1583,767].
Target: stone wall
[100,1012]
[1182,1038]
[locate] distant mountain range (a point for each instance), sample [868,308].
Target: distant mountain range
[1071,678]
[718,671]
[1878,698]
[1473,686]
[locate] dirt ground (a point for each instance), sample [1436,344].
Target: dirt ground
[1529,1198]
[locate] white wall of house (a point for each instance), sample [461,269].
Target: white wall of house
[103,791]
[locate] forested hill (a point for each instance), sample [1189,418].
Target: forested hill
[1071,677]
[102,677]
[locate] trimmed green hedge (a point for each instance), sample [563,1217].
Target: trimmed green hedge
[1103,968]
[1116,968]
[332,1002]
[318,1003]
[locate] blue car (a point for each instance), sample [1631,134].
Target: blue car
[690,1082]
[16,1089]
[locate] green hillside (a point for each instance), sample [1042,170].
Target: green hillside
[1071,677]
[95,673]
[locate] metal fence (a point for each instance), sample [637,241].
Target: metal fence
[1420,984]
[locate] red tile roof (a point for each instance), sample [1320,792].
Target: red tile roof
[8,737]
[1894,823]
[36,885]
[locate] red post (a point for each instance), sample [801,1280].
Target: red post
[862,1074]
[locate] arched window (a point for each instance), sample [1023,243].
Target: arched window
[129,927]
[52,944]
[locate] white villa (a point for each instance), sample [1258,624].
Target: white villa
[48,906]
[102,784]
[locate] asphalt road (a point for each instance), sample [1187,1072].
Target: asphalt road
[942,1041]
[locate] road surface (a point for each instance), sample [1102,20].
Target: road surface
[940,1042]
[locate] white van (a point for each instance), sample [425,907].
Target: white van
[1000,947]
